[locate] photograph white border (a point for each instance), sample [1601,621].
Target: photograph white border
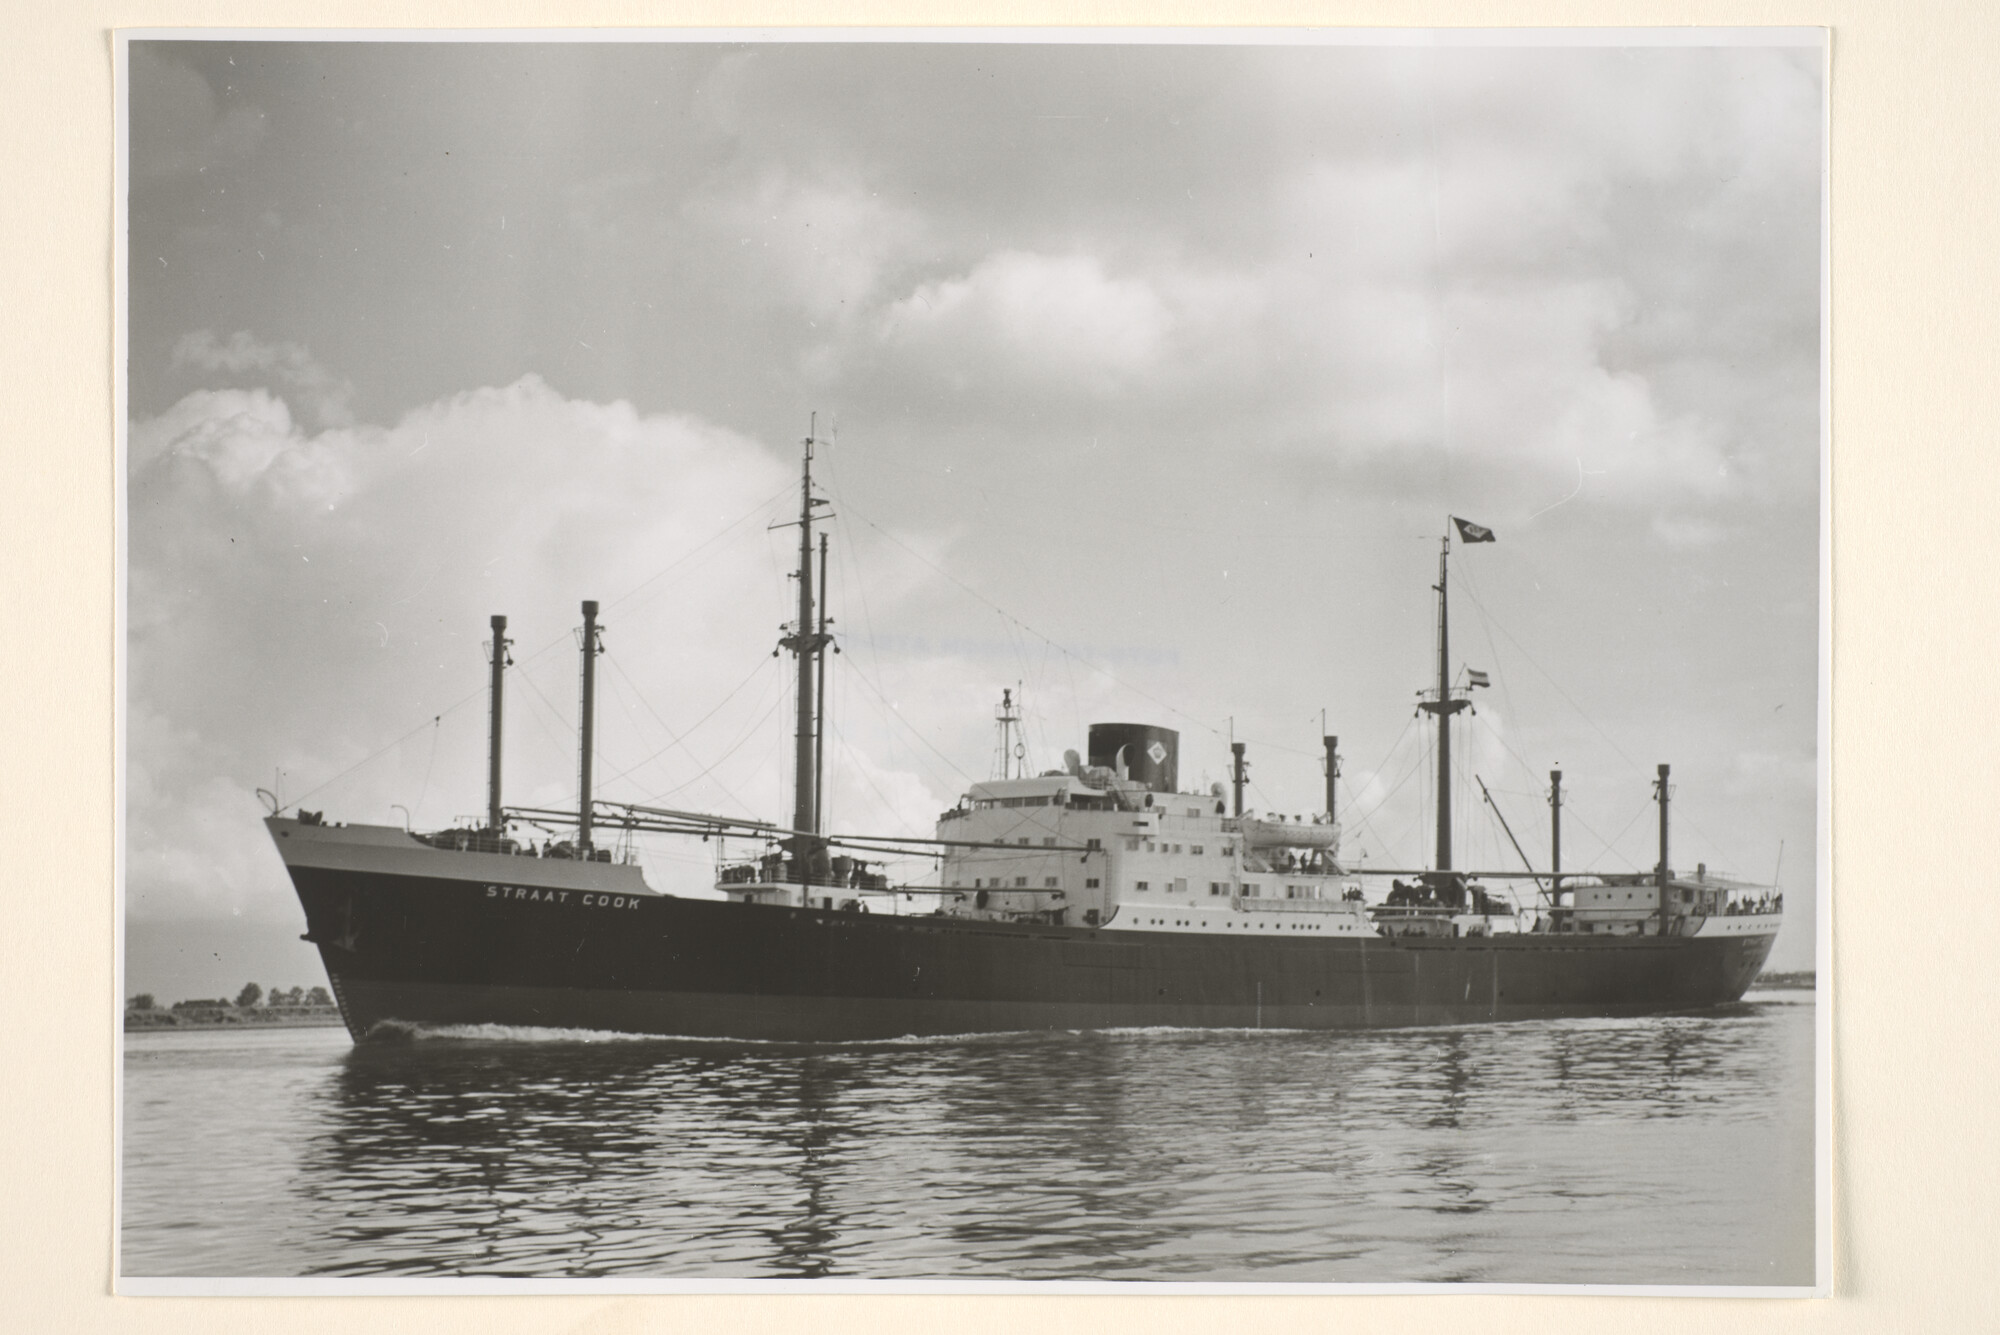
[1525,37]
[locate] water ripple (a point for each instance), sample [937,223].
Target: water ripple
[1670,1149]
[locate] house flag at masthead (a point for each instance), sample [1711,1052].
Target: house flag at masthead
[1471,532]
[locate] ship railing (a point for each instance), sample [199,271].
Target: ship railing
[1262,864]
[1389,912]
[474,841]
[1279,904]
[1748,906]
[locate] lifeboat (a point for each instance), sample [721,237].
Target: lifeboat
[1277,832]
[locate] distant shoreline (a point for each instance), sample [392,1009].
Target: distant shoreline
[327,1017]
[233,1017]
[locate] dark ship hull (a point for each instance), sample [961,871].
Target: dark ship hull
[426,950]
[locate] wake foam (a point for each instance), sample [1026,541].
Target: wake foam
[390,1032]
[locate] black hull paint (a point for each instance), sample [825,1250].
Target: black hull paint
[434,951]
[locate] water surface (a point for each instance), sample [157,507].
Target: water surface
[1665,1150]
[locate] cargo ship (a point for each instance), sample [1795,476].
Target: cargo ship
[1097,895]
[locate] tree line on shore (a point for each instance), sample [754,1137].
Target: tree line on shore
[277,998]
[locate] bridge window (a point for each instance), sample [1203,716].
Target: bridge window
[1090,883]
[1049,882]
[1196,850]
[1020,882]
[1140,885]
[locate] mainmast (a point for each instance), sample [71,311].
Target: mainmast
[1443,706]
[806,643]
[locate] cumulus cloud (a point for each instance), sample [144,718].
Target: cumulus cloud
[301,599]
[323,395]
[827,242]
[1505,263]
[1064,323]
[1248,317]
[1048,313]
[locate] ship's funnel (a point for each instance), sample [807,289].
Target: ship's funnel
[1148,755]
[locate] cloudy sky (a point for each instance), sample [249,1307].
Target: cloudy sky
[1150,375]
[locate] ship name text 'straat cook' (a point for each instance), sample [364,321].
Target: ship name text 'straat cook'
[542,894]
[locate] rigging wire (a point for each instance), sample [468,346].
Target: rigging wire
[1488,624]
[437,726]
[700,547]
[1041,717]
[1388,755]
[851,569]
[1201,723]
[560,746]
[1495,734]
[557,713]
[1470,593]
[1420,761]
[536,654]
[1609,848]
[828,742]
[569,636]
[903,754]
[382,751]
[632,720]
[1268,808]
[728,751]
[897,714]
[1353,802]
[674,740]
[847,550]
[1426,796]
[1463,570]
[855,764]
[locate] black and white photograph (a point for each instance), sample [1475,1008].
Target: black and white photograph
[1105,659]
